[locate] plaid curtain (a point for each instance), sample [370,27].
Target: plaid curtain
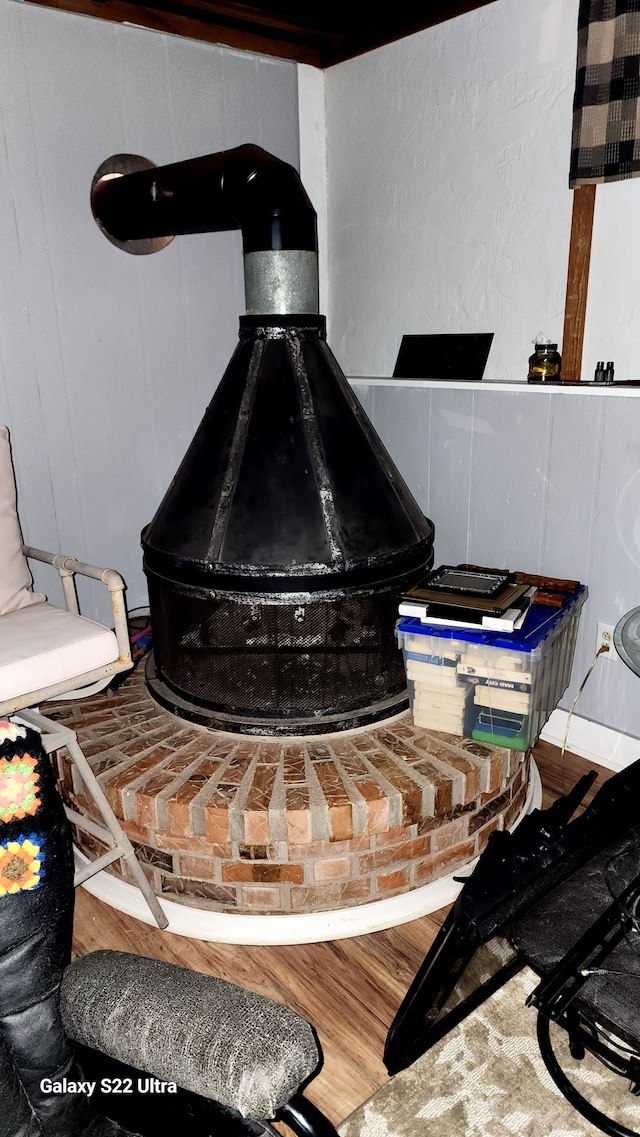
[606,108]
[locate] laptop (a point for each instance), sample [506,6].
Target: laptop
[443,356]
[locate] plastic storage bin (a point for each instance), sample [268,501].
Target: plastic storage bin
[495,687]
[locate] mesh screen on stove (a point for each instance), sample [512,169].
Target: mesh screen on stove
[280,660]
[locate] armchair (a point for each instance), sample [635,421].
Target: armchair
[115,1045]
[49,653]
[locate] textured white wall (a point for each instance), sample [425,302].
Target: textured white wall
[107,361]
[449,207]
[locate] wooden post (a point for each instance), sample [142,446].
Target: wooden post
[577,281]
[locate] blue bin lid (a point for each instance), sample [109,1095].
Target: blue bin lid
[539,622]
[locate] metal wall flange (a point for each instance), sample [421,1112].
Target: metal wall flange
[116,167]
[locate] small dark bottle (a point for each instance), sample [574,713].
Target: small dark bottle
[545,364]
[609,372]
[600,374]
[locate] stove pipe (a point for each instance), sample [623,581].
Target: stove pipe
[246,189]
[277,557]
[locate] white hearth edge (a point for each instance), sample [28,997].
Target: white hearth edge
[306,928]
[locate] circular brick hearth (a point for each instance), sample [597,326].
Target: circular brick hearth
[263,826]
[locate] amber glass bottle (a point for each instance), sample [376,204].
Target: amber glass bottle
[545,364]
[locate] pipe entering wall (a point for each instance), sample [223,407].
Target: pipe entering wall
[245,188]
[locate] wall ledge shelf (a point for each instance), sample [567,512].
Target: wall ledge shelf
[512,386]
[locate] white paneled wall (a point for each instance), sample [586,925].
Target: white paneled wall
[107,361]
[541,482]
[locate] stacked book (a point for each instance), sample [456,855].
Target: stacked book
[504,612]
[501,682]
[441,700]
[502,716]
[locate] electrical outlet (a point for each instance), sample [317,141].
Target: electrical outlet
[605,639]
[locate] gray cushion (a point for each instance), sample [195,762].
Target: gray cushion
[207,1035]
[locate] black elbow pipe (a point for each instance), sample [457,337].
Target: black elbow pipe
[246,188]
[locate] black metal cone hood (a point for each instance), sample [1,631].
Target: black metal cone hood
[286,485]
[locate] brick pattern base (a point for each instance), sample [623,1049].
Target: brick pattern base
[238,824]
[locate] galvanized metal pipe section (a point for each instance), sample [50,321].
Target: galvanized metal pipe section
[281,282]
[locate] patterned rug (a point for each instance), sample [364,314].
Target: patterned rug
[487,1079]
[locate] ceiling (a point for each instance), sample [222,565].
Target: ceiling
[319,32]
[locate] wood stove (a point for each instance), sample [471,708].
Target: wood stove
[277,557]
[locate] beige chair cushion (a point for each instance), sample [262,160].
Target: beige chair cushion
[16,589]
[41,645]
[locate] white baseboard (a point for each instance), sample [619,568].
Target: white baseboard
[592,741]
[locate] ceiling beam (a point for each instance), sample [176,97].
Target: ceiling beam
[192,23]
[269,32]
[399,26]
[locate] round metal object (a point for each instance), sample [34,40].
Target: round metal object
[117,166]
[626,639]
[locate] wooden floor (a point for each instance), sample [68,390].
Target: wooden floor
[349,989]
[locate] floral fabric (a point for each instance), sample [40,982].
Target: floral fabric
[21,865]
[19,780]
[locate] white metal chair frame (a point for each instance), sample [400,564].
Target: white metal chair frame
[89,682]
[55,735]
